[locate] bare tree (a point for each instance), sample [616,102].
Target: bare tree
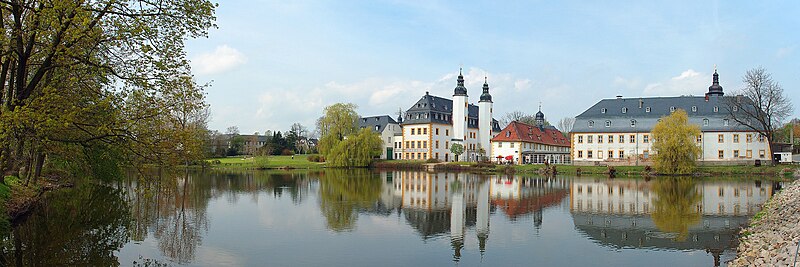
[565,125]
[232,130]
[761,105]
[518,116]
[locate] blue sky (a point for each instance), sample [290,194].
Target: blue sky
[274,63]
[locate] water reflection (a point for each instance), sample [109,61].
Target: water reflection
[192,218]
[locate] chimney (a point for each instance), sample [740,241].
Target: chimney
[641,102]
[619,96]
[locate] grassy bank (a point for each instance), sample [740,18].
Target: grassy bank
[266,162]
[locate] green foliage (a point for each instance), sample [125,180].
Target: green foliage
[356,151]
[339,121]
[456,149]
[674,141]
[343,193]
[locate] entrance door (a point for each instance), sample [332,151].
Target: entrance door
[389,153]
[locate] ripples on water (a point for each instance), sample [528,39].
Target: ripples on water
[363,218]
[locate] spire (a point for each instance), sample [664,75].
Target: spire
[715,88]
[486,97]
[539,119]
[460,89]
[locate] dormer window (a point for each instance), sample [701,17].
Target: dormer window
[364,119]
[735,108]
[624,110]
[591,124]
[725,122]
[694,108]
[603,110]
[716,109]
[705,122]
[608,123]
[647,109]
[633,123]
[377,128]
[508,134]
[671,109]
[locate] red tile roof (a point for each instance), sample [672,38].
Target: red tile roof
[521,132]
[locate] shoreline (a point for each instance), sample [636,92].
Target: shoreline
[772,237]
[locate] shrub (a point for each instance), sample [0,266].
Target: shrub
[287,152]
[316,158]
[433,161]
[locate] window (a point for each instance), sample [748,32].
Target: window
[589,154]
[512,144]
[599,154]
[725,122]
[646,154]
[589,139]
[580,139]
[621,154]
[624,110]
[720,154]
[437,131]
[694,108]
[749,153]
[633,138]
[407,145]
[419,144]
[720,138]
[603,110]
[500,144]
[716,109]
[608,123]
[705,122]
[645,139]
[591,124]
[647,109]
[621,139]
[633,123]
[508,134]
[437,146]
[671,109]
[610,139]
[761,138]
[749,138]
[736,153]
[580,153]
[436,155]
[446,146]
[700,138]
[412,131]
[447,132]
[599,139]
[610,154]
[762,153]
[736,138]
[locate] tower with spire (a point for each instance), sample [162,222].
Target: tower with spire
[485,119]
[539,119]
[460,105]
[715,89]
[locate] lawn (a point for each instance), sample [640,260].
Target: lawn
[299,161]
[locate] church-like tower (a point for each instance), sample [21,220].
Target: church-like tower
[485,119]
[715,89]
[460,103]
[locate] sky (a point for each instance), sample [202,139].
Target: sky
[274,63]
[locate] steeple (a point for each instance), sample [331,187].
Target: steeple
[460,89]
[715,88]
[539,117]
[486,97]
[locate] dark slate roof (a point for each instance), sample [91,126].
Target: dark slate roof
[373,121]
[697,107]
[486,97]
[434,109]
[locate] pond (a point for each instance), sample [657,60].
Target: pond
[399,218]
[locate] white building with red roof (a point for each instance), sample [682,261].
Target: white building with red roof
[522,143]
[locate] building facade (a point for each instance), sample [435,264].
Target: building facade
[520,143]
[617,131]
[433,124]
[388,129]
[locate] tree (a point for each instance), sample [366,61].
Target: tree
[456,149]
[675,205]
[565,125]
[761,105]
[338,122]
[674,141]
[357,150]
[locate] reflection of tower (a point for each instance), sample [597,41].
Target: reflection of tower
[537,219]
[457,212]
[716,253]
[482,224]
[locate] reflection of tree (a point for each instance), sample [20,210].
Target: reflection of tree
[674,208]
[82,226]
[343,192]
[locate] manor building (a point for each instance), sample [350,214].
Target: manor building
[521,143]
[389,131]
[433,124]
[617,131]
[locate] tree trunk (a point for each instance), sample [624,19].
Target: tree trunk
[40,157]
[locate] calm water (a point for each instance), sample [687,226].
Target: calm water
[363,218]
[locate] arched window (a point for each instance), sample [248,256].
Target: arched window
[671,109]
[591,124]
[603,110]
[705,122]
[633,123]
[624,110]
[694,108]
[716,109]
[608,123]
[647,109]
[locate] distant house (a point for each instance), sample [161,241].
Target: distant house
[521,143]
[617,131]
[387,128]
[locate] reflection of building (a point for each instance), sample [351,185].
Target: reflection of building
[521,196]
[623,214]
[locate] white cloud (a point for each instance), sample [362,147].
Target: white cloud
[222,59]
[689,82]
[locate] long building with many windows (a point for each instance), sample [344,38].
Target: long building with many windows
[520,143]
[617,131]
[434,123]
